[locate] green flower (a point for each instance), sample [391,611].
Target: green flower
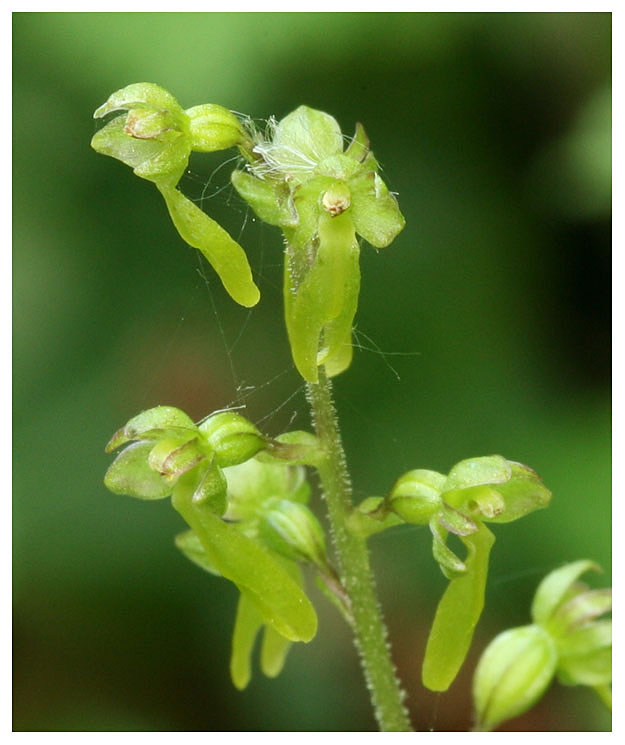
[567,639]
[155,137]
[474,492]
[485,489]
[248,519]
[321,196]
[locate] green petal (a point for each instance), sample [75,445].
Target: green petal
[457,615]
[450,564]
[374,210]
[139,94]
[554,588]
[130,474]
[154,423]
[455,521]
[279,599]
[223,253]
[247,624]
[268,199]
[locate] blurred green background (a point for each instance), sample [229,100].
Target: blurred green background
[484,328]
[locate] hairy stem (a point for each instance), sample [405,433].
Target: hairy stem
[369,629]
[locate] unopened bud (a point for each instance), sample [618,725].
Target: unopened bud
[233,438]
[292,530]
[214,128]
[415,497]
[513,672]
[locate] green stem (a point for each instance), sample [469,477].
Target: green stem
[353,557]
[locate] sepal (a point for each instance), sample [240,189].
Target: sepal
[139,95]
[131,475]
[152,424]
[375,211]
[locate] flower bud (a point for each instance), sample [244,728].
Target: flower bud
[233,438]
[416,496]
[292,530]
[513,672]
[214,128]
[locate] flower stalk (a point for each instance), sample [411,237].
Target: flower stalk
[353,559]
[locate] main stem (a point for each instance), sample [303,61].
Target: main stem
[353,557]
